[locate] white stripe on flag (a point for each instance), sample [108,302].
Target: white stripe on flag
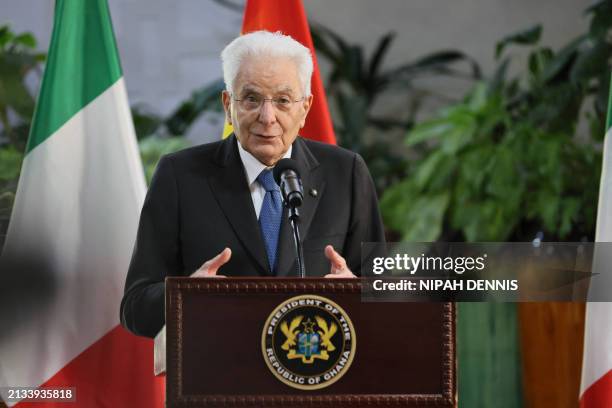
[77,207]
[597,359]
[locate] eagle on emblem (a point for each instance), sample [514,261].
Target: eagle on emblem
[308,344]
[290,332]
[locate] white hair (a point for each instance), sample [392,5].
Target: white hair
[266,43]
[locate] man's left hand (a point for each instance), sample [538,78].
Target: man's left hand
[338,264]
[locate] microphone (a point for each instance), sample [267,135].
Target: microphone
[287,176]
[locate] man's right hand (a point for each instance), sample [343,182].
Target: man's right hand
[209,268]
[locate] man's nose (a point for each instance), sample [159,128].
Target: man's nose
[267,113]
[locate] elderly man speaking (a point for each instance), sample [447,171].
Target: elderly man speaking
[215,209]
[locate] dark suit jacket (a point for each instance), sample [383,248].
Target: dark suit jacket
[199,203]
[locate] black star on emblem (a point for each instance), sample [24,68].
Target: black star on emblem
[308,326]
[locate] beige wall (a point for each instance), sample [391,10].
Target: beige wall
[424,26]
[170,47]
[470,25]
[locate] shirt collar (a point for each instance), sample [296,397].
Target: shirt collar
[252,166]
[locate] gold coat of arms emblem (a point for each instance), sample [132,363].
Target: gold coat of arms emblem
[308,342]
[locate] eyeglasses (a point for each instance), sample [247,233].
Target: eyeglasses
[253,102]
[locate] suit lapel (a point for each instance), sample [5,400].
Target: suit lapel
[312,179]
[231,190]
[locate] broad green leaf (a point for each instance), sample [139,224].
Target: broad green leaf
[323,46]
[490,221]
[424,222]
[457,138]
[505,183]
[602,19]
[13,91]
[379,53]
[145,123]
[352,66]
[396,203]
[497,81]
[25,39]
[538,61]
[353,110]
[433,172]
[570,208]
[479,97]
[545,207]
[427,167]
[203,99]
[153,147]
[6,35]
[474,166]
[438,62]
[443,177]
[529,36]
[588,64]
[428,130]
[10,163]
[562,59]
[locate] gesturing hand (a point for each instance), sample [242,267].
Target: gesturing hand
[338,264]
[209,268]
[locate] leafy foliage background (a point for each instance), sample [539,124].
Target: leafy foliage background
[507,163]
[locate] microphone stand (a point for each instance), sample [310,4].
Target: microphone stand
[287,176]
[294,217]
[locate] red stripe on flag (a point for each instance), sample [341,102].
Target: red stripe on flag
[116,371]
[599,394]
[289,17]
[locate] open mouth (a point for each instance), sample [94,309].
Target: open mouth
[264,136]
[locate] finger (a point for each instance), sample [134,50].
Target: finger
[337,261]
[346,274]
[212,266]
[200,273]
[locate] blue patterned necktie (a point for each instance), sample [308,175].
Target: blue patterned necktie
[270,214]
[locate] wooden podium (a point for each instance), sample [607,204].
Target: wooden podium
[258,342]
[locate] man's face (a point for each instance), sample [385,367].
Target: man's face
[268,130]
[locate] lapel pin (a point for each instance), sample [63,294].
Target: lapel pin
[313,192]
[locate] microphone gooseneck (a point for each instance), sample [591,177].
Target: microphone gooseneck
[287,176]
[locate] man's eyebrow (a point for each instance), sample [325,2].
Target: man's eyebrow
[252,89]
[285,89]
[249,89]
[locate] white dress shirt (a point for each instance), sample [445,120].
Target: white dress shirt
[252,168]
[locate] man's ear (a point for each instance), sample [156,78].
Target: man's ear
[306,104]
[226,99]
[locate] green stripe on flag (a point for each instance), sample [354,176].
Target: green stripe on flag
[83,62]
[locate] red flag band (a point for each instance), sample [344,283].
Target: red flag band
[289,17]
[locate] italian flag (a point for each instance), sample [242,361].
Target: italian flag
[73,227]
[596,385]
